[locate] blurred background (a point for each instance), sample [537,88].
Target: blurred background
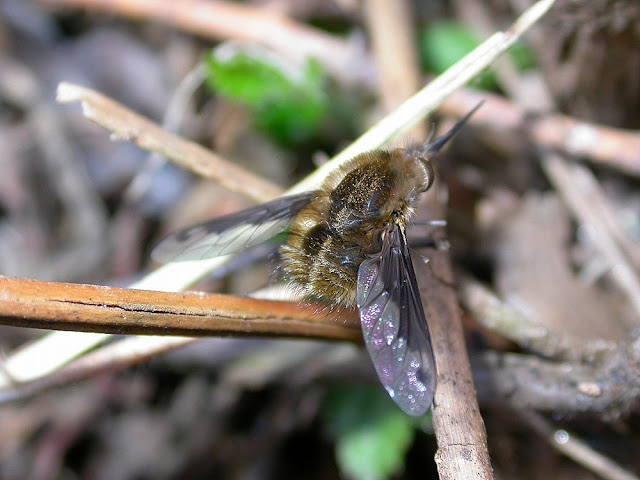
[278,87]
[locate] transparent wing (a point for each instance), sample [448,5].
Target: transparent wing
[394,325]
[231,233]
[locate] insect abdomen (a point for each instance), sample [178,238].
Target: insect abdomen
[336,232]
[320,262]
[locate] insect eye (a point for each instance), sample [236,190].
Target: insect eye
[376,201]
[429,173]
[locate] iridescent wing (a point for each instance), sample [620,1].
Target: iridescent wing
[231,233]
[394,325]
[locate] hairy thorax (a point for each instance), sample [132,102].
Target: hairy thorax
[345,223]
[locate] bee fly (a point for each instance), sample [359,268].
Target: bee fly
[347,246]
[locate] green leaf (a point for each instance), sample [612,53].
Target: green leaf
[522,57]
[443,44]
[289,104]
[372,434]
[243,78]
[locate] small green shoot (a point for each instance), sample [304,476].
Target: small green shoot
[443,44]
[289,103]
[372,435]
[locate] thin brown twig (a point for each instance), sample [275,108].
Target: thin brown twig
[90,308]
[475,14]
[128,125]
[393,42]
[113,357]
[500,317]
[173,117]
[574,182]
[222,20]
[576,449]
[459,428]
[608,387]
[611,147]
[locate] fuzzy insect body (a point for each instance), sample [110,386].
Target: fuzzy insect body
[346,221]
[347,246]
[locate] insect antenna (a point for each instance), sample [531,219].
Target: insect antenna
[425,152]
[441,141]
